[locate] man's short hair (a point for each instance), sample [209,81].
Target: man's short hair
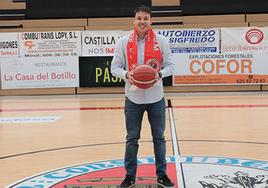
[143,8]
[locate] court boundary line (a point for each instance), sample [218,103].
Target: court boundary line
[121,108]
[115,143]
[176,148]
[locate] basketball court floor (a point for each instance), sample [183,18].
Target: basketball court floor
[77,141]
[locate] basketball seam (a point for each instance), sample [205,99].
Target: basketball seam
[144,82]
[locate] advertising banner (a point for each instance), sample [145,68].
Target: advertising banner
[244,39]
[9,45]
[221,69]
[192,40]
[49,72]
[100,43]
[50,44]
[96,72]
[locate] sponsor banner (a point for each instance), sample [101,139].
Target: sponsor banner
[96,72]
[100,43]
[45,119]
[46,72]
[50,44]
[192,40]
[9,45]
[221,68]
[244,39]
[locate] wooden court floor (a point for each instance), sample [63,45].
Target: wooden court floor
[41,133]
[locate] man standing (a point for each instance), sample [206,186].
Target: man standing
[143,46]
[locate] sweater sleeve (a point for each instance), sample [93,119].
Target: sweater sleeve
[168,66]
[119,64]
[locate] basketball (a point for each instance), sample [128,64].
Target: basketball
[144,76]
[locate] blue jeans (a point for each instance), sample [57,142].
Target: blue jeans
[156,115]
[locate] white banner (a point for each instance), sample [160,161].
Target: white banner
[9,45]
[50,44]
[100,43]
[244,39]
[46,72]
[221,68]
[192,40]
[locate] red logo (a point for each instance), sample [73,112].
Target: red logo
[29,44]
[254,36]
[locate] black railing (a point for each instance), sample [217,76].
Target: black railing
[12,14]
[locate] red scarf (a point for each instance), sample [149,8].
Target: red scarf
[152,51]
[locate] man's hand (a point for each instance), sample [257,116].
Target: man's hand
[158,76]
[129,76]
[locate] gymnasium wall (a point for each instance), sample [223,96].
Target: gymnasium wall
[162,20]
[212,7]
[39,9]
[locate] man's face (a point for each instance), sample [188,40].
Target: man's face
[142,22]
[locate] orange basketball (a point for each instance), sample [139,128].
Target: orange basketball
[144,76]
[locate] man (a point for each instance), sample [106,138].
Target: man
[143,46]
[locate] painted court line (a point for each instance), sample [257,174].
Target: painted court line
[121,108]
[59,109]
[224,106]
